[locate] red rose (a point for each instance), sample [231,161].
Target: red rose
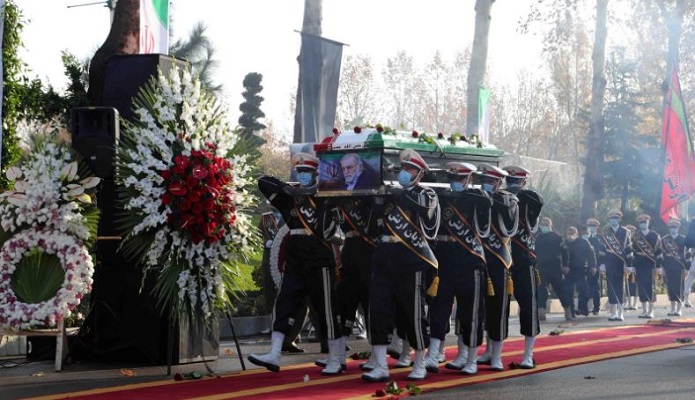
[440,135]
[415,134]
[177,189]
[379,128]
[197,208]
[165,174]
[191,182]
[199,172]
[166,199]
[357,129]
[336,131]
[182,161]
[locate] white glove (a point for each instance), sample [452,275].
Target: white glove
[660,271]
[269,244]
[631,270]
[602,267]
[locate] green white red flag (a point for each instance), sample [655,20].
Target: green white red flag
[679,164]
[154,26]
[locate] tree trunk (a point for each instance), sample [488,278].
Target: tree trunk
[593,178]
[476,70]
[124,38]
[313,14]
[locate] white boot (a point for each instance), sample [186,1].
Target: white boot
[496,358]
[334,365]
[678,312]
[644,310]
[404,360]
[527,362]
[471,365]
[487,355]
[419,371]
[432,358]
[270,360]
[441,356]
[620,313]
[613,308]
[369,364]
[672,312]
[460,359]
[394,349]
[380,373]
[650,310]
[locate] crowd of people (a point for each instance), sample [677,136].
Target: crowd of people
[408,255]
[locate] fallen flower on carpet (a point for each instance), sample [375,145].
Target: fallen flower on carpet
[556,332]
[413,389]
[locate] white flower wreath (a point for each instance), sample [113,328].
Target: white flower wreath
[275,249]
[76,262]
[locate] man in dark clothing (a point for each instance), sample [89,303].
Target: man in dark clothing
[673,266]
[594,281]
[552,256]
[310,261]
[581,259]
[646,247]
[688,284]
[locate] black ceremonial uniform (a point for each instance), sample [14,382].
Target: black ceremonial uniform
[402,264]
[498,256]
[353,286]
[309,268]
[552,256]
[582,258]
[674,264]
[459,250]
[524,273]
[647,256]
[594,281]
[618,254]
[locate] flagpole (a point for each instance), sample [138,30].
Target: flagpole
[667,101]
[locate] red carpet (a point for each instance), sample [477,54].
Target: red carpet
[551,352]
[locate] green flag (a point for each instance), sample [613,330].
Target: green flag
[484,114]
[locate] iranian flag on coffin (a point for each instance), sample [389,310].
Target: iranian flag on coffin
[154,26]
[379,151]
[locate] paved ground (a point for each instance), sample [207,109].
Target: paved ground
[666,374]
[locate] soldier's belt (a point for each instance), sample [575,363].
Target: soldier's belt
[352,234]
[300,232]
[445,238]
[388,239]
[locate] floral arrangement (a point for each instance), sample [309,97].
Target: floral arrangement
[182,192]
[47,220]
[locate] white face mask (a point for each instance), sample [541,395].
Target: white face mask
[674,231]
[592,230]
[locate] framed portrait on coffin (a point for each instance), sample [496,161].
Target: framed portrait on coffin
[350,172]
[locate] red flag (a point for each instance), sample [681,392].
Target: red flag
[679,164]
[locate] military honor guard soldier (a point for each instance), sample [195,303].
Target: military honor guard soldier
[403,265]
[525,275]
[616,240]
[674,265]
[594,281]
[310,261]
[459,250]
[646,248]
[498,256]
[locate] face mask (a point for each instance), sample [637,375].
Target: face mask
[585,237]
[305,178]
[572,238]
[545,229]
[674,231]
[457,186]
[613,222]
[643,226]
[592,230]
[488,187]
[405,179]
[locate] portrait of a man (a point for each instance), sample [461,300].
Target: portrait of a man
[357,173]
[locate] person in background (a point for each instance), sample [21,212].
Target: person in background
[459,250]
[674,265]
[690,277]
[498,256]
[552,257]
[310,261]
[525,274]
[402,265]
[618,245]
[646,247]
[582,260]
[594,281]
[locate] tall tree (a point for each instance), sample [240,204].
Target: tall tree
[399,79]
[356,91]
[592,186]
[250,113]
[476,70]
